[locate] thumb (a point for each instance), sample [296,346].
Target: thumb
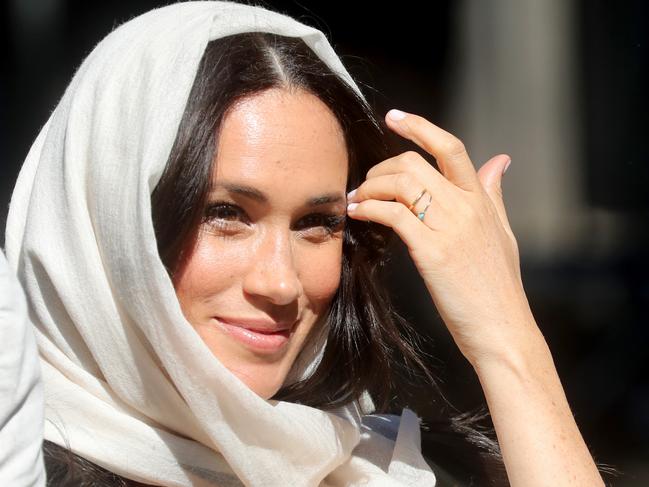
[490,175]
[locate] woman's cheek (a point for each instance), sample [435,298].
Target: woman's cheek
[210,268]
[321,274]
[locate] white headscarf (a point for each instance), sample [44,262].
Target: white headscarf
[129,384]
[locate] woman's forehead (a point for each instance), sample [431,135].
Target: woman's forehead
[280,137]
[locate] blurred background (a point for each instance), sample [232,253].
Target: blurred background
[556,84]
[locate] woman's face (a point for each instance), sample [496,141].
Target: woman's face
[269,254]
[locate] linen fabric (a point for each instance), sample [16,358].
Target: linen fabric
[128,382]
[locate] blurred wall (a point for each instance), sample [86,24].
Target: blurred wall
[514,91]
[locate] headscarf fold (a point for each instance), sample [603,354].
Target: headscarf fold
[129,384]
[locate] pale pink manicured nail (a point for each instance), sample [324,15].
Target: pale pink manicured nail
[352,206]
[507,165]
[397,115]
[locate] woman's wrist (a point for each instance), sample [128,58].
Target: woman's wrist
[511,342]
[531,415]
[519,354]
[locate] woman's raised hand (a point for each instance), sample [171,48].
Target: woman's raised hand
[466,252]
[463,246]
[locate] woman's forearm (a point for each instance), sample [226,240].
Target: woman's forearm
[539,439]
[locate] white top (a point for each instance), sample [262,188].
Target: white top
[21,389]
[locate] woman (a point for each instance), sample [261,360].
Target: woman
[205,301]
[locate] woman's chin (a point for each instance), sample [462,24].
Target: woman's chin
[264,385]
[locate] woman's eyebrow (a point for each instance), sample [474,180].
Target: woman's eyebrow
[255,194]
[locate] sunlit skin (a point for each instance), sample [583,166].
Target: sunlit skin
[280,259]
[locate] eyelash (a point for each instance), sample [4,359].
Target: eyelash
[329,221]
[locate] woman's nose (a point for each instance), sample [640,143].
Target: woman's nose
[272,273]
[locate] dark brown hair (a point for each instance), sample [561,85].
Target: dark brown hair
[369,344]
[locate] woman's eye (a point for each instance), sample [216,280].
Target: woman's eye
[222,214]
[227,216]
[328,222]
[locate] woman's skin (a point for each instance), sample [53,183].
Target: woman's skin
[277,260]
[280,260]
[468,257]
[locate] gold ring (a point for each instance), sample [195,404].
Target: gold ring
[412,205]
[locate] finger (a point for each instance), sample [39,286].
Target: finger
[391,214]
[449,151]
[490,176]
[412,163]
[403,187]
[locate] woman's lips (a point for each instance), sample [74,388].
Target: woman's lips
[265,342]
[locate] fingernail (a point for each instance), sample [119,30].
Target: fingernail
[506,166]
[352,206]
[396,115]
[351,194]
